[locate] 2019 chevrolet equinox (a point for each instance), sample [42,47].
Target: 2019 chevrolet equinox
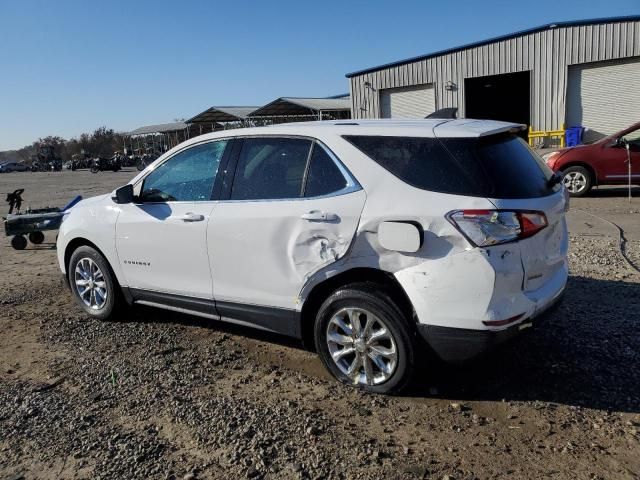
[372,240]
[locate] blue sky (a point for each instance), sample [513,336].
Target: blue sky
[67,67]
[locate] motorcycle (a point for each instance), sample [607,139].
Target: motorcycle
[143,161]
[102,164]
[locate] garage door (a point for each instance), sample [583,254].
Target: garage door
[604,97]
[407,102]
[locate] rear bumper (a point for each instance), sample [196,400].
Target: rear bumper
[457,345]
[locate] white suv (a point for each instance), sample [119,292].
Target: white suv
[374,241]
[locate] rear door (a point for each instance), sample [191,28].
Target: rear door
[291,209]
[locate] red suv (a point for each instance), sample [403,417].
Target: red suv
[600,163]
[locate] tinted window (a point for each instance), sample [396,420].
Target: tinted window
[421,162]
[186,177]
[324,176]
[270,168]
[633,138]
[511,169]
[499,166]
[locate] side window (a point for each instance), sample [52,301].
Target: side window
[270,169]
[324,177]
[186,177]
[634,139]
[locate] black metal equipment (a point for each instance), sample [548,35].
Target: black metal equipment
[33,221]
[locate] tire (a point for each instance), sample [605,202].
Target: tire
[93,303]
[94,169]
[371,303]
[140,166]
[577,180]
[19,242]
[36,238]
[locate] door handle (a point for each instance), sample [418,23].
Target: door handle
[192,217]
[319,216]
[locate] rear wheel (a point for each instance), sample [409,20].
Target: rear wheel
[36,238]
[577,180]
[92,282]
[364,339]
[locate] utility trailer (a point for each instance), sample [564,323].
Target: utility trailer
[33,222]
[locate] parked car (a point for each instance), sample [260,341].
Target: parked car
[600,163]
[374,241]
[13,167]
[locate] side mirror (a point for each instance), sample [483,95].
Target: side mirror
[124,194]
[618,143]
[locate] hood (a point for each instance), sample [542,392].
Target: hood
[93,200]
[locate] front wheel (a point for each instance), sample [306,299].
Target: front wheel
[93,285]
[95,169]
[364,340]
[577,180]
[19,242]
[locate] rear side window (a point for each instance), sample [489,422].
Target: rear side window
[270,169]
[421,162]
[324,177]
[498,166]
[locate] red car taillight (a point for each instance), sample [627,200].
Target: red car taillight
[493,227]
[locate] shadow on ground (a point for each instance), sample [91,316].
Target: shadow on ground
[609,192]
[585,354]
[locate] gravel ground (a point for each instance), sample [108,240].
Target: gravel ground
[155,394]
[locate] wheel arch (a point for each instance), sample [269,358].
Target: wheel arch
[320,292]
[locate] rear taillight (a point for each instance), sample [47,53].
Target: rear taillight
[492,227]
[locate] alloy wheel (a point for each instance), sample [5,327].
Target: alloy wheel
[362,346]
[575,182]
[90,284]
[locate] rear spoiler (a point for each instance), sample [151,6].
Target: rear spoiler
[468,128]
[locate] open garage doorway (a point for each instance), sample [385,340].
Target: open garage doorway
[499,97]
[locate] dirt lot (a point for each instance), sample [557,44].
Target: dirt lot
[161,395]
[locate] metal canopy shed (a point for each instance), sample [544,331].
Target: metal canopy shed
[158,138]
[288,109]
[222,114]
[218,118]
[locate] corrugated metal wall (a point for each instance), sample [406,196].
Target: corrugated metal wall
[546,54]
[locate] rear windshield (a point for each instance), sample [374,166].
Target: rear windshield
[498,166]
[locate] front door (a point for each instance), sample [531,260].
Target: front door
[161,238]
[293,209]
[615,164]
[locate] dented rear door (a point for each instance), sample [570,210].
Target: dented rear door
[262,252]
[263,247]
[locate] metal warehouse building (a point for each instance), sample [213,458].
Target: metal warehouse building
[563,74]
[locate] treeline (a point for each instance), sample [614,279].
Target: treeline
[102,142]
